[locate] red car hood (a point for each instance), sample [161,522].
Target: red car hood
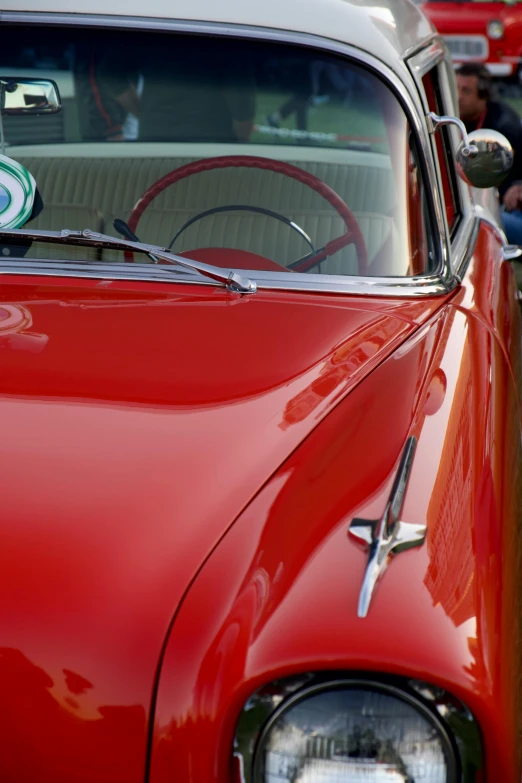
[136,425]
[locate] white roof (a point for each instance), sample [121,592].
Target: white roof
[386,28]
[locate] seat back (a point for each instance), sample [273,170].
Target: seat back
[97,190]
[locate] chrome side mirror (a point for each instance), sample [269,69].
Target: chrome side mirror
[28,96]
[483,158]
[490,164]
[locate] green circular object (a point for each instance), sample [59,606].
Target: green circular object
[17,189]
[5,199]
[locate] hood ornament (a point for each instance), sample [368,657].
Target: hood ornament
[387,536]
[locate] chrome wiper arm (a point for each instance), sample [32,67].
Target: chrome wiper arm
[228,277]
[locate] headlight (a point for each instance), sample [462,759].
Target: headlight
[348,731]
[495,29]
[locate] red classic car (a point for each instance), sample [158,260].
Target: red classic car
[260,364]
[488,32]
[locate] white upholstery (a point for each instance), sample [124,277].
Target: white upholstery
[266,236]
[113,185]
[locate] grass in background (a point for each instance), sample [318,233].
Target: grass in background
[359,121]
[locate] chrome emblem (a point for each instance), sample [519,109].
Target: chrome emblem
[388,535]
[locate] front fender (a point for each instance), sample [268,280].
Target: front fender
[278,596]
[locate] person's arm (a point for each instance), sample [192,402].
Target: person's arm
[240,95]
[512,199]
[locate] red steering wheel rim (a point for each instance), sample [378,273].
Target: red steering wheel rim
[353,233]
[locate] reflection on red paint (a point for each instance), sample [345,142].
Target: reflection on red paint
[436,392]
[355,352]
[108,746]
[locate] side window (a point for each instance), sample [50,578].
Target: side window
[444,151]
[422,255]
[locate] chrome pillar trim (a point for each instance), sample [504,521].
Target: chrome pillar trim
[425,57]
[464,244]
[388,535]
[404,88]
[269,701]
[420,64]
[511,252]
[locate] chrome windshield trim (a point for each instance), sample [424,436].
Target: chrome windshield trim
[439,283]
[324,284]
[87,238]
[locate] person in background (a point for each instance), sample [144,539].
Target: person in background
[299,101]
[106,92]
[479,109]
[173,93]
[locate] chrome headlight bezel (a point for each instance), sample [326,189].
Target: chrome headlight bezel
[453,720]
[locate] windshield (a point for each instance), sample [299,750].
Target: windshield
[238,153]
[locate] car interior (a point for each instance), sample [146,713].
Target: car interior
[356,146]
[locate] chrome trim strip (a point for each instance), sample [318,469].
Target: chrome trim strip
[484,216]
[511,252]
[433,40]
[422,60]
[88,238]
[325,284]
[388,535]
[408,95]
[464,244]
[269,701]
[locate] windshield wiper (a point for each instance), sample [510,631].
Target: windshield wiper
[228,277]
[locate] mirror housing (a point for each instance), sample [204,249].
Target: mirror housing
[489,165]
[28,96]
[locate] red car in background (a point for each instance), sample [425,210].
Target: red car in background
[484,32]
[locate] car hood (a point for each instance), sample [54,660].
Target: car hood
[136,425]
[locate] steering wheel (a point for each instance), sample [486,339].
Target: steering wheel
[353,233]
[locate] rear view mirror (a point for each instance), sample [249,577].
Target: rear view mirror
[484,157]
[490,163]
[28,96]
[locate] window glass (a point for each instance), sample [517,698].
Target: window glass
[314,166]
[444,151]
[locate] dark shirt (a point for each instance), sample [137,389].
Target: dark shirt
[190,92]
[502,118]
[99,77]
[195,93]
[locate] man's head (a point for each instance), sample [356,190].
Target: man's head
[474,86]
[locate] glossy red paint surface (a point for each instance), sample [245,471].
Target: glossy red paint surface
[138,421]
[279,595]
